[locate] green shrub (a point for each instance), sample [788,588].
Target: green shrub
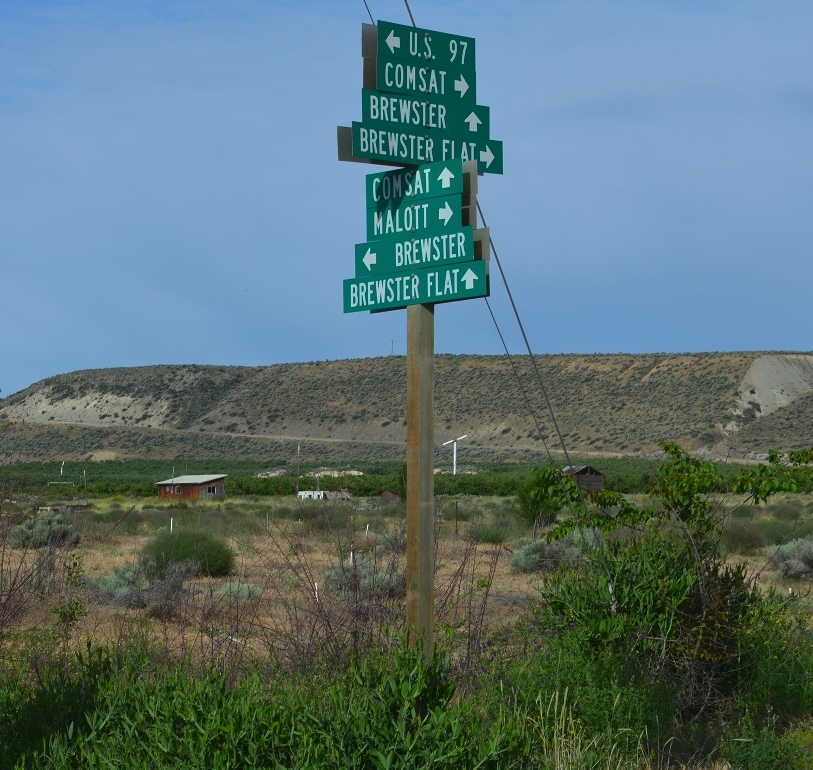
[124,587]
[240,591]
[48,529]
[777,531]
[795,559]
[541,555]
[369,573]
[742,537]
[212,556]
[788,510]
[487,533]
[394,541]
[462,514]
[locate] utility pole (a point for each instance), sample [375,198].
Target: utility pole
[420,497]
[297,470]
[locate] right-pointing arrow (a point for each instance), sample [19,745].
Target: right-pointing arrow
[473,122]
[486,156]
[445,177]
[368,259]
[392,41]
[445,213]
[469,277]
[461,85]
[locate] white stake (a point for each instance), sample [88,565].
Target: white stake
[170,524]
[367,531]
[316,591]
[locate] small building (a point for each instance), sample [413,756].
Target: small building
[193,487]
[586,475]
[312,494]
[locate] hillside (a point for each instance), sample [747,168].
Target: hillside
[736,404]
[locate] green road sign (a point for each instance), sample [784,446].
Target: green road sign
[428,181]
[426,285]
[445,83]
[425,45]
[449,118]
[430,248]
[414,148]
[402,218]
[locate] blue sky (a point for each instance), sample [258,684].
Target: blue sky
[169,189]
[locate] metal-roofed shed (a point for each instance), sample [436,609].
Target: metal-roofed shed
[193,487]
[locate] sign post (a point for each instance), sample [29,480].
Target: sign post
[420,480]
[423,248]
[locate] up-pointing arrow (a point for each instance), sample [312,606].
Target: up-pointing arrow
[445,177]
[486,156]
[469,277]
[445,213]
[368,259]
[392,41]
[473,121]
[461,85]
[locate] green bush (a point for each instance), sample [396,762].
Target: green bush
[48,529]
[123,587]
[777,531]
[240,591]
[795,559]
[462,514]
[541,555]
[369,573]
[212,556]
[742,537]
[487,533]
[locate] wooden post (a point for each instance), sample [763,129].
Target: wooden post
[420,497]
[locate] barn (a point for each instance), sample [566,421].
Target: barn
[587,476]
[199,487]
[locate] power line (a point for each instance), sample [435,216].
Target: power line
[372,20]
[542,387]
[409,11]
[519,381]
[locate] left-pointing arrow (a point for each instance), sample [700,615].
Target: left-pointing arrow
[469,277]
[369,258]
[393,42]
[445,213]
[461,85]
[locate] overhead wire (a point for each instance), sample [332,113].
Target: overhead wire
[372,20]
[409,11]
[519,382]
[531,356]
